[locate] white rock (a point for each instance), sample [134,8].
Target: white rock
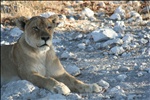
[127,38]
[134,17]
[16,89]
[120,11]
[47,14]
[117,90]
[51,96]
[119,26]
[5,43]
[103,84]
[122,77]
[115,16]
[15,32]
[143,41]
[102,4]
[146,9]
[139,74]
[72,69]
[2,28]
[88,12]
[114,41]
[117,50]
[67,54]
[103,34]
[82,46]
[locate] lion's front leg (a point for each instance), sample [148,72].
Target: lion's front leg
[76,85]
[47,83]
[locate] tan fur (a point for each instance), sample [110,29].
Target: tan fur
[29,60]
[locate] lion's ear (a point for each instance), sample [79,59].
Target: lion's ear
[21,22]
[54,19]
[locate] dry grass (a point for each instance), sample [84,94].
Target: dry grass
[13,9]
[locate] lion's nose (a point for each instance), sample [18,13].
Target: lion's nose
[45,38]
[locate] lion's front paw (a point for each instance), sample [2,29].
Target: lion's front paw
[92,88]
[95,88]
[61,88]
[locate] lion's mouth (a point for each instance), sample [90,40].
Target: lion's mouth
[43,45]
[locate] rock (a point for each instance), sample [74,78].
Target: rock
[115,16]
[140,74]
[82,46]
[103,34]
[119,26]
[143,41]
[117,50]
[74,96]
[47,14]
[131,97]
[146,9]
[102,4]
[2,28]
[72,69]
[15,32]
[62,17]
[110,42]
[148,70]
[51,96]
[17,89]
[127,38]
[117,90]
[103,83]
[5,43]
[134,17]
[88,12]
[125,54]
[122,77]
[124,69]
[120,11]
[67,54]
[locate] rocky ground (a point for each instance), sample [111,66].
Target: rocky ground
[111,50]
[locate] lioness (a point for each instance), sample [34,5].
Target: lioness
[33,58]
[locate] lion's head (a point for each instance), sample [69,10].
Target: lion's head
[38,30]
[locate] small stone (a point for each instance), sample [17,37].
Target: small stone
[115,57]
[125,54]
[103,34]
[115,16]
[139,74]
[120,11]
[146,9]
[67,54]
[111,42]
[117,50]
[117,90]
[47,14]
[15,32]
[148,70]
[127,38]
[102,4]
[122,77]
[143,41]
[131,97]
[88,12]
[119,26]
[82,46]
[103,84]
[124,69]
[73,70]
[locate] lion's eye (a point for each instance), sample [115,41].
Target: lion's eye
[36,28]
[49,27]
